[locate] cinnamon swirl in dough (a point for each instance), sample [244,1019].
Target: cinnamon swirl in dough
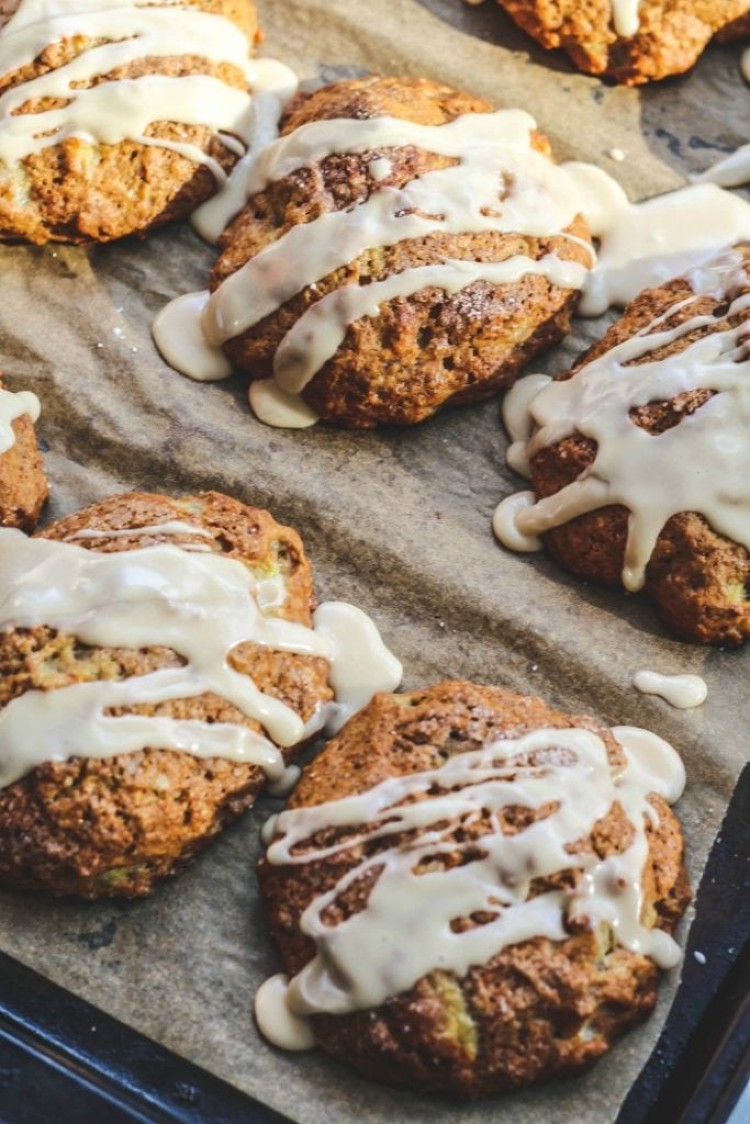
[632,41]
[640,456]
[117,117]
[159,661]
[471,891]
[406,246]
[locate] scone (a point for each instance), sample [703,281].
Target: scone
[23,483]
[128,741]
[471,891]
[640,458]
[113,119]
[406,247]
[632,42]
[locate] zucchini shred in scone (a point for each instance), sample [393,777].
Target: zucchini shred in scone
[118,118]
[405,246]
[471,891]
[160,661]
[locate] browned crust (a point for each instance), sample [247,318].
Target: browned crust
[671,35]
[23,483]
[698,580]
[114,827]
[538,1009]
[420,352]
[79,192]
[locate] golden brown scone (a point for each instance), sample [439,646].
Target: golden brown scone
[422,351]
[23,483]
[670,37]
[538,1008]
[697,578]
[113,827]
[80,191]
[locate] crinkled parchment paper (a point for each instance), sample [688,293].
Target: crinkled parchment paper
[396,521]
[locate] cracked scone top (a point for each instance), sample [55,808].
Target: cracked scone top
[404,246]
[119,115]
[160,661]
[471,891]
[640,457]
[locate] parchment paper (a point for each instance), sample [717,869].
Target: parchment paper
[395,521]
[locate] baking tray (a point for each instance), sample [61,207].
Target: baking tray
[395,521]
[62,1058]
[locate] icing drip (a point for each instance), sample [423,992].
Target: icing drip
[404,930]
[681,691]
[201,605]
[625,17]
[517,420]
[277,1021]
[350,643]
[13,406]
[109,112]
[701,465]
[498,183]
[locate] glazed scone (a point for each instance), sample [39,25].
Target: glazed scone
[115,825]
[372,816]
[23,483]
[631,42]
[640,457]
[454,852]
[413,246]
[111,118]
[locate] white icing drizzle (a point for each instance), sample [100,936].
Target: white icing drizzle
[646,244]
[700,465]
[318,333]
[272,85]
[110,112]
[170,527]
[602,198]
[681,691]
[467,197]
[499,183]
[274,406]
[505,523]
[268,829]
[199,605]
[731,171]
[404,931]
[351,637]
[179,337]
[13,406]
[277,1021]
[625,17]
[517,420]
[284,784]
[380,168]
